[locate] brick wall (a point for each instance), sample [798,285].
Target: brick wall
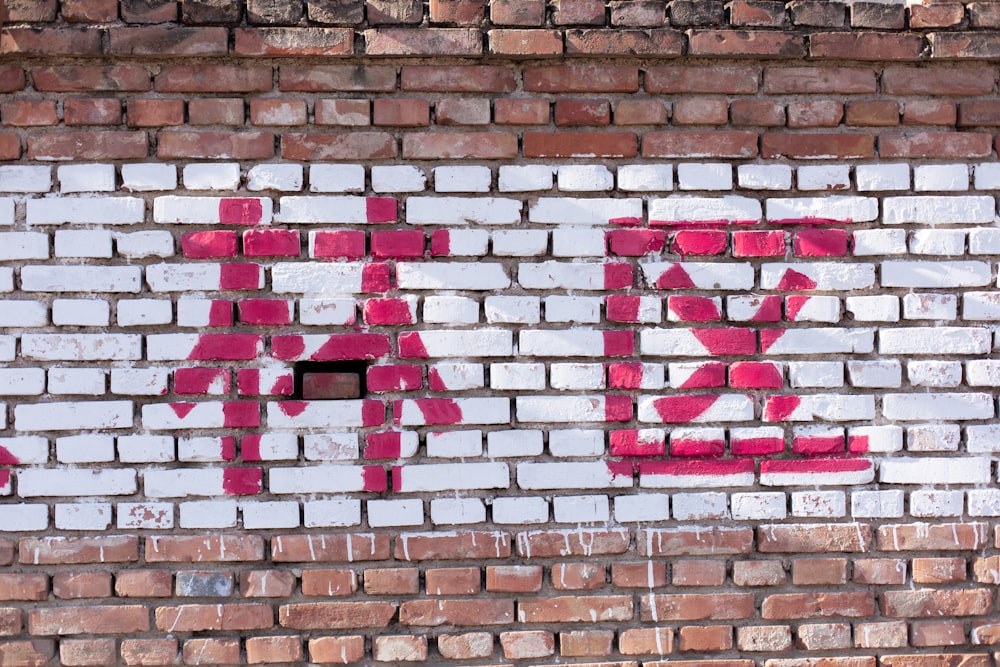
[615,334]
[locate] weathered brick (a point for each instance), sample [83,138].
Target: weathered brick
[149,652]
[425,42]
[211,11]
[206,145]
[213,79]
[148,11]
[578,144]
[294,42]
[103,111]
[459,145]
[177,41]
[745,43]
[109,619]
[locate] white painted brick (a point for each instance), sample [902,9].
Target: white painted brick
[743,308]
[87,448]
[86,178]
[877,504]
[936,340]
[935,470]
[984,502]
[562,275]
[824,177]
[578,242]
[581,509]
[473,343]
[81,347]
[466,242]
[583,309]
[880,373]
[24,178]
[194,312]
[987,176]
[759,506]
[981,306]
[879,308]
[21,517]
[76,482]
[450,310]
[81,279]
[450,476]
[81,312]
[704,176]
[513,309]
[457,511]
[815,374]
[933,437]
[983,372]
[336,512]
[525,178]
[351,178]
[564,343]
[462,211]
[330,446]
[576,442]
[829,408]
[23,245]
[314,277]
[29,449]
[934,373]
[144,312]
[73,416]
[23,313]
[145,244]
[984,241]
[451,275]
[278,177]
[6,211]
[726,408]
[81,381]
[86,210]
[468,178]
[397,178]
[388,513]
[882,177]
[212,176]
[645,178]
[139,381]
[820,341]
[273,514]
[941,178]
[929,209]
[765,176]
[642,508]
[520,242]
[202,448]
[689,208]
[146,448]
[274,447]
[819,504]
[149,177]
[700,506]
[83,516]
[930,306]
[519,511]
[583,211]
[321,311]
[584,178]
[208,514]
[844,208]
[454,444]
[827,275]
[876,438]
[951,407]
[457,377]
[879,242]
[83,243]
[704,275]
[941,242]
[933,503]
[508,444]
[8,345]
[577,376]
[139,516]
[816,309]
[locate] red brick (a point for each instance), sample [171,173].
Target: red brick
[698,573]
[689,79]
[235,146]
[930,112]
[814,538]
[155,113]
[701,111]
[170,41]
[24,587]
[582,79]
[204,549]
[341,650]
[459,145]
[936,145]
[938,15]
[513,578]
[149,11]
[818,605]
[356,113]
[577,113]
[75,585]
[89,11]
[458,12]
[331,583]
[12,79]
[462,112]
[10,622]
[267,583]
[602,41]
[87,652]
[578,576]
[517,12]
[819,571]
[878,15]
[979,113]
[586,643]
[937,633]
[90,619]
[521,112]
[707,607]
[338,12]
[835,80]
[274,42]
[866,46]
[886,571]
[401,112]
[983,15]
[645,574]
[97,111]
[394,11]
[757,13]
[815,113]
[705,638]
[459,613]
[352,146]
[143,583]
[211,11]
[757,112]
[745,43]
[640,112]
[29,113]
[959,81]
[199,617]
[578,144]
[872,113]
[936,660]
[986,570]
[937,602]
[525,644]
[399,648]
[548,544]
[27,653]
[392,581]
[572,12]
[709,143]
[758,573]
[224,111]
[695,542]
[149,652]
[336,78]
[423,42]
[284,112]
[525,42]
[818,14]
[211,652]
[214,79]
[638,13]
[320,548]
[458,79]
[74,550]
[271,650]
[31,11]
[938,570]
[817,146]
[576,609]
[51,41]
[697,13]
[453,581]
[646,641]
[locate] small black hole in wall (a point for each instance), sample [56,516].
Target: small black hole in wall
[330,380]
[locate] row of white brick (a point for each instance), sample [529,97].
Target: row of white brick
[524,510]
[461,211]
[227,176]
